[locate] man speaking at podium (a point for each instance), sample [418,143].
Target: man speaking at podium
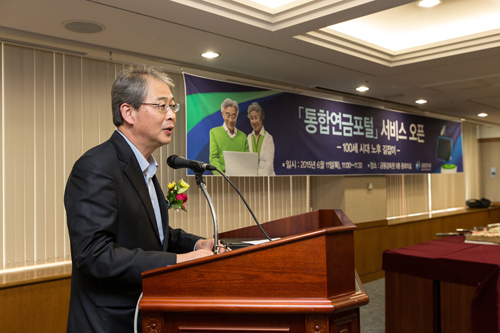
[116,211]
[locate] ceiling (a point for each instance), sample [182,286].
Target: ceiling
[294,46]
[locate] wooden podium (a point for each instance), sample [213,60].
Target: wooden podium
[303,282]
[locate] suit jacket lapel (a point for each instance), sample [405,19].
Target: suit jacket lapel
[136,177]
[163,210]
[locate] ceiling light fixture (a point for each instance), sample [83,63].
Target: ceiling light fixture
[84,27]
[429,3]
[482,114]
[421,101]
[210,55]
[362,88]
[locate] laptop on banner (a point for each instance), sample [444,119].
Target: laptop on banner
[241,163]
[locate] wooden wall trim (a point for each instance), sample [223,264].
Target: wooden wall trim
[423,217]
[435,216]
[34,275]
[372,224]
[488,140]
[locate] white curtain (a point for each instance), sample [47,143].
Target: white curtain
[407,194]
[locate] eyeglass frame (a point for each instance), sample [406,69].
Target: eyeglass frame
[166,107]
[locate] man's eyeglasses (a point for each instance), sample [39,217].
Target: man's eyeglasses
[164,107]
[230,116]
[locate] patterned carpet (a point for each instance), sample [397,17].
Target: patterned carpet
[373,314]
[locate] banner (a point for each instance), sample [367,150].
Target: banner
[314,136]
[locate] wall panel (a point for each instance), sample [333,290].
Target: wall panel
[73,110]
[61,167]
[38,307]
[44,149]
[93,72]
[19,139]
[448,190]
[2,131]
[489,185]
[407,194]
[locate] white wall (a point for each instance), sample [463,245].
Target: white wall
[485,132]
[351,194]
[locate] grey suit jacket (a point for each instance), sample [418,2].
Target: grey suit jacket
[114,237]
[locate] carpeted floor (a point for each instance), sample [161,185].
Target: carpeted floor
[373,314]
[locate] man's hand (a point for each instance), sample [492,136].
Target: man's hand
[208,244]
[194,255]
[204,248]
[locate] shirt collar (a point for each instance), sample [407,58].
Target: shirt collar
[262,131]
[148,166]
[229,133]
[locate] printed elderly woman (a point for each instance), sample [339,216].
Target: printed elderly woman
[260,141]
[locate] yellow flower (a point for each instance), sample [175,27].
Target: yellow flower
[184,184]
[171,185]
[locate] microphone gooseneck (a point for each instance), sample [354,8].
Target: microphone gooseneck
[178,162]
[245,202]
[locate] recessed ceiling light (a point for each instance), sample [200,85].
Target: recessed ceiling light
[85,27]
[429,3]
[482,114]
[421,101]
[362,88]
[210,55]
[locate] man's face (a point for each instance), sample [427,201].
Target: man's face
[229,114]
[155,128]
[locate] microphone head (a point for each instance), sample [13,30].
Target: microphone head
[171,161]
[177,162]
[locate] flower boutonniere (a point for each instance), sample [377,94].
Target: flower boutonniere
[176,197]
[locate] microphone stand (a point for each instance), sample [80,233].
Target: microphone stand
[201,184]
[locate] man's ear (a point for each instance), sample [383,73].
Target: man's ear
[127,113]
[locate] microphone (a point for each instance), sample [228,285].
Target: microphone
[178,162]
